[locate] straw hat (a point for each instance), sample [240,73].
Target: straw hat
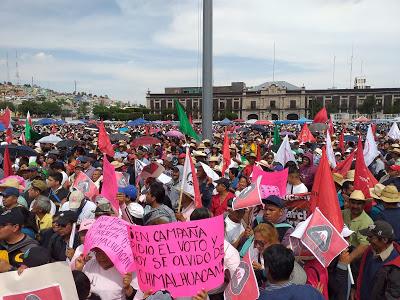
[11,182]
[213,158]
[206,141]
[349,175]
[376,191]
[201,146]
[117,164]
[233,147]
[390,194]
[338,178]
[357,195]
[263,163]
[395,150]
[199,153]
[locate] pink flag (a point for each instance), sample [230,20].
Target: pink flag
[249,197]
[86,186]
[110,186]
[272,183]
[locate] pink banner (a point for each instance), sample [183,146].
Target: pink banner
[110,186]
[272,183]
[86,186]
[182,257]
[110,234]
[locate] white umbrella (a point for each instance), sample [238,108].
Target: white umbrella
[50,139]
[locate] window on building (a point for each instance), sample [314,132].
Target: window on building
[169,104]
[222,105]
[157,105]
[236,105]
[292,104]
[253,105]
[272,104]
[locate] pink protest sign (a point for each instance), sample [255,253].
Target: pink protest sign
[274,181]
[180,257]
[110,234]
[110,185]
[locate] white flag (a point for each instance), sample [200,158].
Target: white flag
[139,165]
[394,132]
[329,151]
[187,176]
[284,153]
[370,148]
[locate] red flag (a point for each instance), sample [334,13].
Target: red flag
[322,238]
[147,128]
[226,154]
[323,194]
[305,135]
[104,141]
[110,187]
[373,127]
[344,166]
[9,135]
[321,116]
[7,164]
[249,197]
[243,284]
[190,119]
[341,142]
[330,127]
[5,117]
[86,186]
[258,152]
[363,178]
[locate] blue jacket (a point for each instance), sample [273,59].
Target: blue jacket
[291,292]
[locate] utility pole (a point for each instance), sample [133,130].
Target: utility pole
[207,105]
[74,86]
[16,67]
[273,66]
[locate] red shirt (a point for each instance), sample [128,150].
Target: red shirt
[218,208]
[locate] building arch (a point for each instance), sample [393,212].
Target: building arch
[274,117]
[292,117]
[252,117]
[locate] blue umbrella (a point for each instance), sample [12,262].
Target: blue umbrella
[225,122]
[137,122]
[46,121]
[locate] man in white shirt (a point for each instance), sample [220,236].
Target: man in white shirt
[294,184]
[78,202]
[233,225]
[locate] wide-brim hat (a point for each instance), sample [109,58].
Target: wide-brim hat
[214,159]
[395,150]
[376,191]
[349,175]
[11,182]
[263,163]
[390,194]
[357,195]
[117,164]
[199,153]
[338,178]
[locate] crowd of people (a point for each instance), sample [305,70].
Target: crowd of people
[40,205]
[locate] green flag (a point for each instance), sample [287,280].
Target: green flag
[277,137]
[184,124]
[28,130]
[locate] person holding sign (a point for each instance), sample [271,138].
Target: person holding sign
[105,279]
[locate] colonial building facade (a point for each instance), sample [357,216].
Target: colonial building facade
[279,100]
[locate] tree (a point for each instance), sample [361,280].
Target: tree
[5,104]
[369,106]
[83,109]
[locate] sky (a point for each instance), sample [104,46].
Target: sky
[123,48]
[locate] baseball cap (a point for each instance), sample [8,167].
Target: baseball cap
[274,200]
[12,216]
[129,190]
[39,184]
[223,181]
[10,191]
[103,206]
[66,217]
[380,229]
[75,199]
[86,224]
[182,155]
[136,210]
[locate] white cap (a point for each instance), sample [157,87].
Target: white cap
[338,153]
[346,232]
[136,210]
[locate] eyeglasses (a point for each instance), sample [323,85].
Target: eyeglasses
[259,243]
